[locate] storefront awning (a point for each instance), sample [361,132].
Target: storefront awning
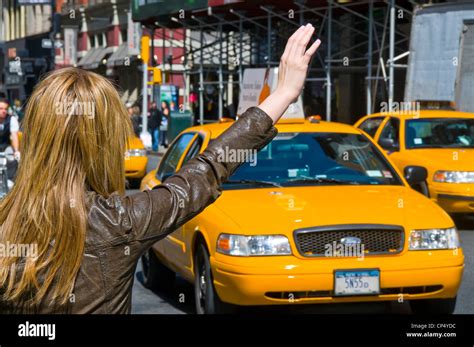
[118,57]
[94,57]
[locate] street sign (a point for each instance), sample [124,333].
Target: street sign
[58,44]
[257,85]
[46,43]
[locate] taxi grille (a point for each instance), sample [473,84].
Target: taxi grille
[339,240]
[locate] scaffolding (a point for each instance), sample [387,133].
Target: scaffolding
[361,41]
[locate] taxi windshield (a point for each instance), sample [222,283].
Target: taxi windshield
[300,159]
[439,133]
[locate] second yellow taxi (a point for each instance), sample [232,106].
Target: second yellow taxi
[136,161]
[441,141]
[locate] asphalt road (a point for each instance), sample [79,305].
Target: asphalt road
[181,299]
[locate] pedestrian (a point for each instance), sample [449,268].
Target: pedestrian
[69,200]
[18,110]
[135,118]
[9,128]
[165,111]
[154,125]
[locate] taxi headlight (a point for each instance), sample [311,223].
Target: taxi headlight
[454,176]
[136,153]
[241,245]
[434,239]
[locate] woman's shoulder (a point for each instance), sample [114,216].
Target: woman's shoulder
[108,219]
[115,219]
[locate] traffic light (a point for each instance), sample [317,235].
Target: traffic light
[156,79]
[145,52]
[156,75]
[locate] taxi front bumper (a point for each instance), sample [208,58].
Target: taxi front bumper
[413,275]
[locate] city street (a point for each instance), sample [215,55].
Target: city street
[311,159]
[181,299]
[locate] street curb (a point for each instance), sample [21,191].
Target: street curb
[153,153]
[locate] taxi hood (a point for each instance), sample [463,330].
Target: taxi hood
[453,159]
[282,210]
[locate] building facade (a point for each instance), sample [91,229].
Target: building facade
[23,26]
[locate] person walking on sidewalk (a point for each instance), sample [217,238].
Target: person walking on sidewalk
[165,111]
[154,125]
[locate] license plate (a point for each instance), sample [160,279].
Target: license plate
[357,282]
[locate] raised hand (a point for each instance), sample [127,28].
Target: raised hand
[292,72]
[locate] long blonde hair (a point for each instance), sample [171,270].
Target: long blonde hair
[75,135]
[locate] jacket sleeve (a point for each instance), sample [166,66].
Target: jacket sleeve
[158,212]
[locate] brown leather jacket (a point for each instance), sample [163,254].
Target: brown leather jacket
[122,228]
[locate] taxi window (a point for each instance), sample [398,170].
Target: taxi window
[390,134]
[371,125]
[171,159]
[314,159]
[439,133]
[194,150]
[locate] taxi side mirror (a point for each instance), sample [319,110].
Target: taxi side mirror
[389,144]
[416,177]
[415,174]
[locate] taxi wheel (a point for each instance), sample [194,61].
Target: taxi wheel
[156,275]
[133,183]
[435,306]
[206,298]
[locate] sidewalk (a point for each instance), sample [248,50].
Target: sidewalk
[160,153]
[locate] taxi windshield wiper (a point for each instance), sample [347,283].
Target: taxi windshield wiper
[320,180]
[430,146]
[254,182]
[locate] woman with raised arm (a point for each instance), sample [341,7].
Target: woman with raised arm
[83,236]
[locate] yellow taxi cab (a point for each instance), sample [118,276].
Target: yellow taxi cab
[319,215]
[441,141]
[136,160]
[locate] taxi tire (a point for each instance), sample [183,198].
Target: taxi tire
[433,306]
[133,183]
[156,276]
[212,303]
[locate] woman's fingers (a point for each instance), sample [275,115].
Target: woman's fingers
[311,50]
[293,54]
[290,43]
[304,40]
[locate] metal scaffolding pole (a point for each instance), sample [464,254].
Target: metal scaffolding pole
[269,39]
[328,63]
[369,59]
[391,55]
[221,83]
[185,73]
[301,18]
[241,33]
[201,80]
